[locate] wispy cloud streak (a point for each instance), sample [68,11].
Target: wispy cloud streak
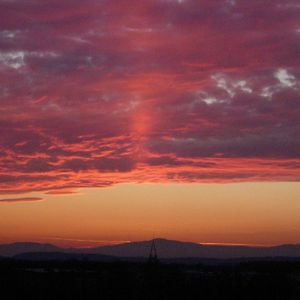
[18,200]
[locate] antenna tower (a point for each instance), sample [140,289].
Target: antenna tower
[153,259]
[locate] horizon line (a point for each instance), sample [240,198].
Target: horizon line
[119,242]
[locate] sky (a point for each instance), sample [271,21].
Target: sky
[177,118]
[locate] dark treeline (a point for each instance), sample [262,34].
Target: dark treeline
[121,280]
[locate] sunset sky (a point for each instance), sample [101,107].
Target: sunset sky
[126,120]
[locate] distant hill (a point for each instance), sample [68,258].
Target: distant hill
[167,249]
[176,249]
[18,248]
[61,256]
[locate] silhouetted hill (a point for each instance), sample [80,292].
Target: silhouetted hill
[167,249]
[176,249]
[61,256]
[18,248]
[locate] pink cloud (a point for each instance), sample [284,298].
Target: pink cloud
[97,93]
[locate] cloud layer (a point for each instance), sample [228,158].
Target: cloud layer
[95,93]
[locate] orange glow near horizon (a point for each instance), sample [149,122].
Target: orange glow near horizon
[240,213]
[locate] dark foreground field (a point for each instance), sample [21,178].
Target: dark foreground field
[95,280]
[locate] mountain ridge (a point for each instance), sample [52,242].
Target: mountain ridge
[165,249]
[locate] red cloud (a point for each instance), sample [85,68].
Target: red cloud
[105,92]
